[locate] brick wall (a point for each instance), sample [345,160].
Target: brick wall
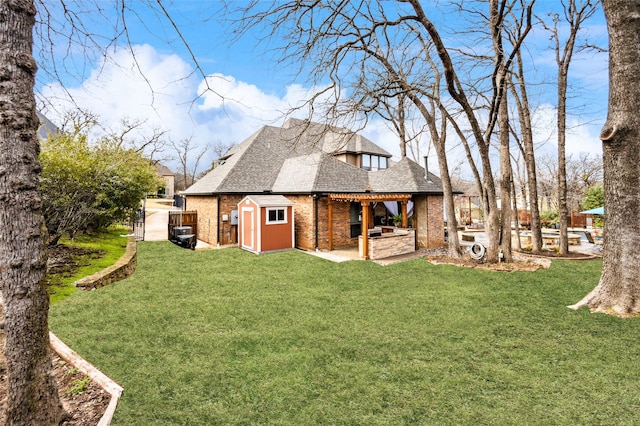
[207,208]
[342,225]
[304,221]
[305,226]
[228,232]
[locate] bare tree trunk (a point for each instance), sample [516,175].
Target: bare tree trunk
[524,115]
[489,199]
[402,130]
[618,291]
[32,397]
[497,22]
[439,142]
[562,167]
[515,215]
[506,180]
[575,12]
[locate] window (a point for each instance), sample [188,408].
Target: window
[277,215]
[366,161]
[383,163]
[355,219]
[373,162]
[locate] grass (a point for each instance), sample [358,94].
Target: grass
[227,337]
[96,252]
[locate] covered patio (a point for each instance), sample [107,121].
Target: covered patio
[386,240]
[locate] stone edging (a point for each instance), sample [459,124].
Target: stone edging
[72,358]
[119,271]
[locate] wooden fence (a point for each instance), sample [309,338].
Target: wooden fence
[183,218]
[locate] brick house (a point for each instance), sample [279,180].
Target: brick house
[339,182]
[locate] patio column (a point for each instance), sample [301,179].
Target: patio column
[365,229]
[330,219]
[405,219]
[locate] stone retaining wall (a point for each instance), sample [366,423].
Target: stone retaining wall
[119,271]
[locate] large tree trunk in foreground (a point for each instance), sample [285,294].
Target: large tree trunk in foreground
[618,292]
[32,397]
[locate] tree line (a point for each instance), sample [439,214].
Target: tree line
[392,60]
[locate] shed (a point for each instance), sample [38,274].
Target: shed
[266,223]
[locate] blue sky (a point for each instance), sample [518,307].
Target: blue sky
[162,85]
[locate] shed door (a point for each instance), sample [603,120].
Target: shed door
[248,229]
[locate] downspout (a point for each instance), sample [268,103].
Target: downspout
[416,225]
[426,222]
[218,221]
[315,219]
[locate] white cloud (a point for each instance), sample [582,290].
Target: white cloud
[163,91]
[141,84]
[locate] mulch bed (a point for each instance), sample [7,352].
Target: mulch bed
[84,408]
[523,261]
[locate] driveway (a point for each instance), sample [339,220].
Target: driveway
[155,227]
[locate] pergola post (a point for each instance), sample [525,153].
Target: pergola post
[365,201]
[365,229]
[405,219]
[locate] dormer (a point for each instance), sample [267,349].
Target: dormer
[341,143]
[356,150]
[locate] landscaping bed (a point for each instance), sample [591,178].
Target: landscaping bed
[83,399]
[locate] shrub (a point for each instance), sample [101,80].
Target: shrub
[90,187]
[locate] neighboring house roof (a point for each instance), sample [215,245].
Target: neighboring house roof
[164,170]
[46,127]
[295,158]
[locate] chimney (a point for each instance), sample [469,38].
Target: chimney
[426,170]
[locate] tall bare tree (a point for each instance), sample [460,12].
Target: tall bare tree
[525,142]
[618,291]
[333,40]
[32,398]
[575,13]
[189,156]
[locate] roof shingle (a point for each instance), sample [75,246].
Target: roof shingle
[297,158]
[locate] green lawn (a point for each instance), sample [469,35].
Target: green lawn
[228,337]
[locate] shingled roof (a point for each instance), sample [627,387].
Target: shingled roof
[298,158]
